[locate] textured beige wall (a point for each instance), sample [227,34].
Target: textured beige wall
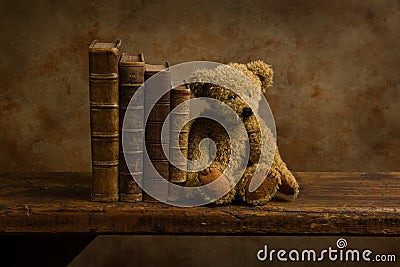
[336,97]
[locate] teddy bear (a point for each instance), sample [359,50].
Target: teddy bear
[275,174]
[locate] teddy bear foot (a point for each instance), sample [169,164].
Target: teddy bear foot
[289,187]
[264,192]
[211,174]
[289,184]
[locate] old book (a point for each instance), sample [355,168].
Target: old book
[154,88]
[131,77]
[179,136]
[104,121]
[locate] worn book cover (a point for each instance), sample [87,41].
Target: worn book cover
[179,136]
[155,121]
[131,77]
[104,121]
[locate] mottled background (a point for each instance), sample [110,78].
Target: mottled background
[335,97]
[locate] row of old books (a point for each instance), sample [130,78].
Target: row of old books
[114,78]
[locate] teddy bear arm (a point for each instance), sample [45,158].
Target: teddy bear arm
[196,134]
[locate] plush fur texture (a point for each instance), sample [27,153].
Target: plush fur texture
[278,177]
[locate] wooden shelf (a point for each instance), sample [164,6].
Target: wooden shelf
[329,203]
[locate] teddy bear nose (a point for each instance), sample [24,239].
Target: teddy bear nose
[247,112]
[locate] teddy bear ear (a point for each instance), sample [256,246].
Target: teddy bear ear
[263,71]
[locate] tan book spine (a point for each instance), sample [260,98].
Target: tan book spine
[131,77]
[179,145]
[104,121]
[155,122]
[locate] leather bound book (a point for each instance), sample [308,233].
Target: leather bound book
[179,145]
[156,120]
[104,121]
[131,77]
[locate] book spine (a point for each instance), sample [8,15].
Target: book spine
[155,122]
[103,87]
[179,136]
[131,77]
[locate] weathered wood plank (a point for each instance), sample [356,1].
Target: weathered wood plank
[329,203]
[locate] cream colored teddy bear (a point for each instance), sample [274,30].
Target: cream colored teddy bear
[277,177]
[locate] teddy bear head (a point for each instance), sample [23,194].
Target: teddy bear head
[249,87]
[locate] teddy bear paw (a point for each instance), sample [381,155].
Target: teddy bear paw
[265,191]
[211,174]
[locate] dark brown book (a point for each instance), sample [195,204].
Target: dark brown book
[104,121]
[179,136]
[154,88]
[131,77]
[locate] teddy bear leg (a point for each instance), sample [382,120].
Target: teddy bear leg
[211,174]
[264,192]
[289,184]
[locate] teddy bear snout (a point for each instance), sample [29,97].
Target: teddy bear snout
[247,112]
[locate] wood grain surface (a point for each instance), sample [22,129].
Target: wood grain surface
[329,203]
